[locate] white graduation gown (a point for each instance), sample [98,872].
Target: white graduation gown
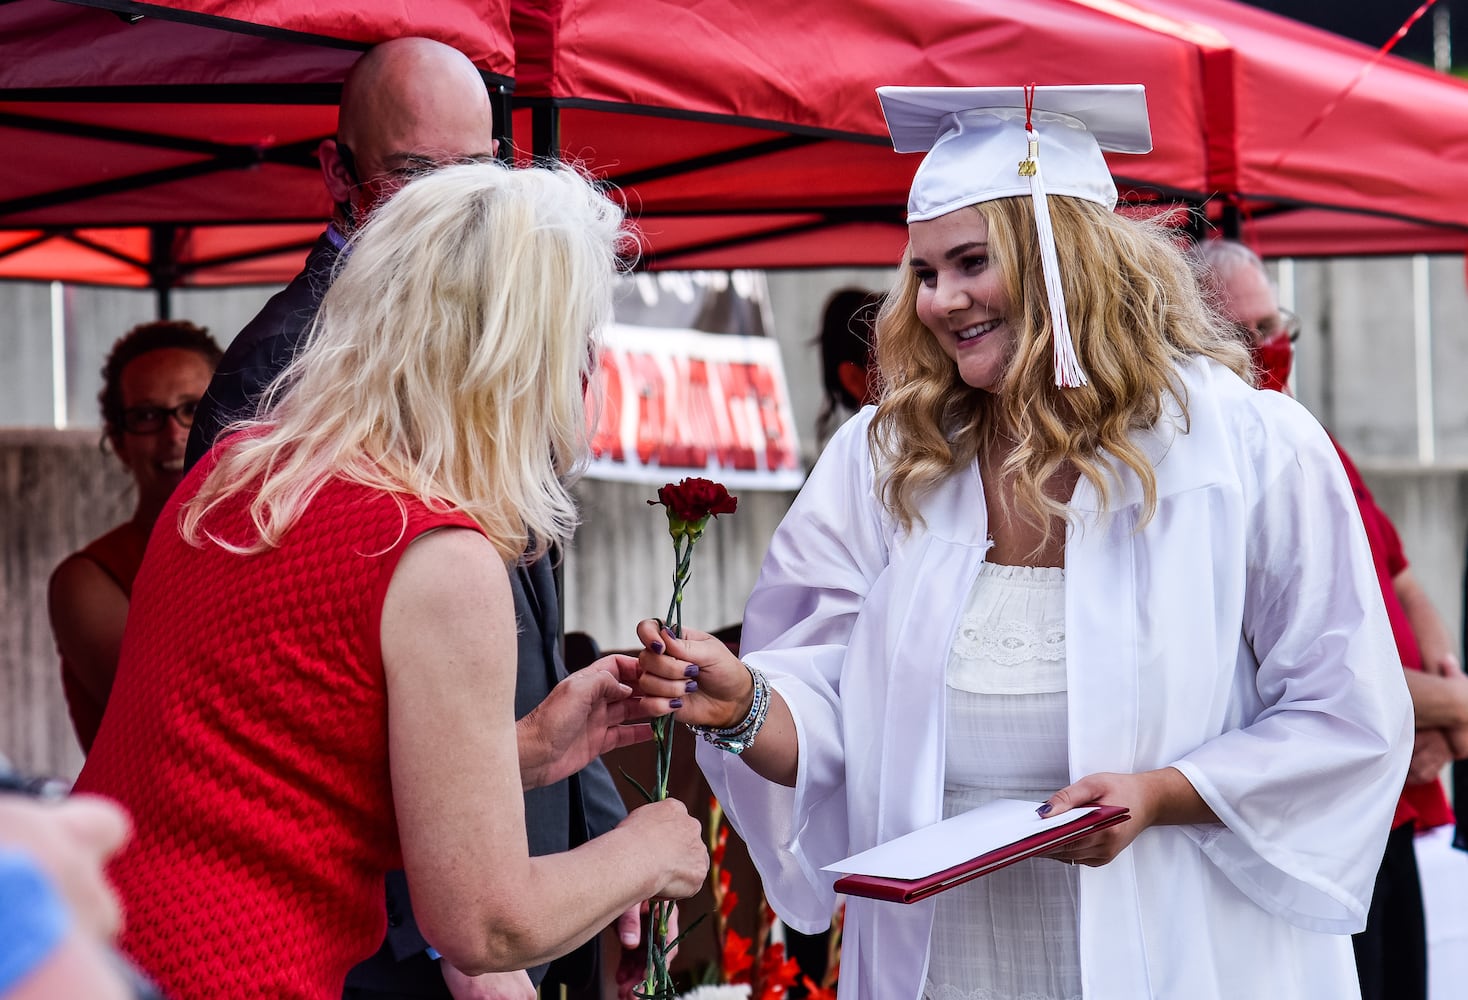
[1239,636]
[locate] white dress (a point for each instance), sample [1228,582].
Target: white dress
[1010,935]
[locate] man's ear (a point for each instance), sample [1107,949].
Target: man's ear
[853,378]
[338,179]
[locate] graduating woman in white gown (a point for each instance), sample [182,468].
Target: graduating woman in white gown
[1071,556]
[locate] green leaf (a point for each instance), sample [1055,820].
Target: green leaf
[687,930]
[637,785]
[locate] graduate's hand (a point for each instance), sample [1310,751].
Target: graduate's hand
[1152,798]
[697,677]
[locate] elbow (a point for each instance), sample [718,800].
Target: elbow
[496,945]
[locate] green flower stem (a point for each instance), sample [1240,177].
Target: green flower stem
[659,981]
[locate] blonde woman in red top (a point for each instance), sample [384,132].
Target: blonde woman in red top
[346,705]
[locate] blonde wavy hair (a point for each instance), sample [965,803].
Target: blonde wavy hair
[448,362]
[1135,313]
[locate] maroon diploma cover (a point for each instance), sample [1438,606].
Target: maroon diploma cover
[903,890]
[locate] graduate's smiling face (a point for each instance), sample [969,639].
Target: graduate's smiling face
[961,297]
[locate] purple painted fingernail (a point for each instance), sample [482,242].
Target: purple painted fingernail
[676,703]
[691,686]
[691,670]
[656,647]
[1044,810]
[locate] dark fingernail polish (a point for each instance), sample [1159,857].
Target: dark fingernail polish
[656,647]
[676,703]
[691,670]
[1044,810]
[691,686]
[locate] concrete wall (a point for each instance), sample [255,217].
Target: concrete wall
[57,492]
[1430,509]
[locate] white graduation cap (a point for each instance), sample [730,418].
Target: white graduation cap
[1001,142]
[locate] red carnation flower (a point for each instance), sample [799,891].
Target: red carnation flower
[695,500]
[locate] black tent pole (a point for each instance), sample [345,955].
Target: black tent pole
[504,123]
[162,267]
[545,130]
[1232,222]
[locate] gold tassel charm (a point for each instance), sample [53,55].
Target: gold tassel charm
[1029,165]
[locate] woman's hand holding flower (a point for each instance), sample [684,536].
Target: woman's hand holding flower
[584,716]
[697,677]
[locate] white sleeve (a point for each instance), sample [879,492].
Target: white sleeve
[820,567]
[1307,789]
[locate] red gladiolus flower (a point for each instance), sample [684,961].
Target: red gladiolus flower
[737,960]
[728,898]
[816,992]
[716,856]
[776,973]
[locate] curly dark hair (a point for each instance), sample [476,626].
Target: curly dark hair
[145,338]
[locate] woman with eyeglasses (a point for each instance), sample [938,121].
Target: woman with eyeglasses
[151,382]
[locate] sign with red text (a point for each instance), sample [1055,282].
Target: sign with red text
[678,403]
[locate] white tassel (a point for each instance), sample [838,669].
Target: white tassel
[1068,373]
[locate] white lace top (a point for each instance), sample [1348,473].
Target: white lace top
[1010,935]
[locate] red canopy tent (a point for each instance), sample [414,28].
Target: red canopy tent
[177,149]
[1383,172]
[167,144]
[751,137]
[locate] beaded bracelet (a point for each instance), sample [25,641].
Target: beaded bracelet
[739,737]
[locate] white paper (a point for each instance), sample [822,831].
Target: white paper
[955,840]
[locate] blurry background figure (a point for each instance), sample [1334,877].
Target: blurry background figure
[58,915]
[847,351]
[1391,953]
[151,384]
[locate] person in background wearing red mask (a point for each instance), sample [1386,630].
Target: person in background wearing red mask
[1391,954]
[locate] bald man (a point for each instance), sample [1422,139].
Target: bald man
[408,106]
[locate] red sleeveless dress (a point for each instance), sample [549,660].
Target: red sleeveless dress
[118,553]
[247,735]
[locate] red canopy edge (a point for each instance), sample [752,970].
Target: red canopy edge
[1214,69]
[172,124]
[738,134]
[479,30]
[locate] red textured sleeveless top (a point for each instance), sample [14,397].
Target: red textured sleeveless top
[247,735]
